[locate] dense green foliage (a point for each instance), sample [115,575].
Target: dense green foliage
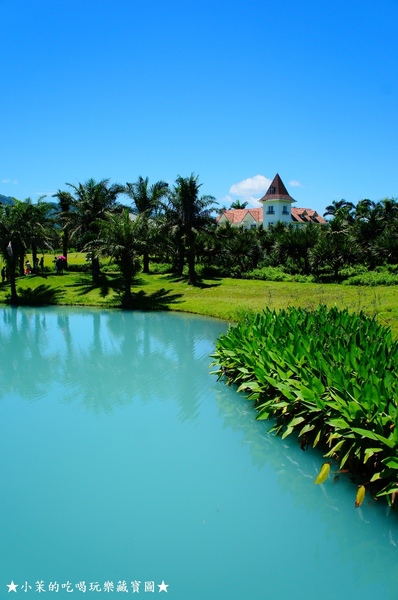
[117,239]
[328,375]
[178,226]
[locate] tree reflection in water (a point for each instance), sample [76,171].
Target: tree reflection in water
[137,357]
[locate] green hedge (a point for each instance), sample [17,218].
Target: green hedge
[330,376]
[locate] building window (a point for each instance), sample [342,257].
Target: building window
[285,210]
[272,189]
[270,210]
[270,224]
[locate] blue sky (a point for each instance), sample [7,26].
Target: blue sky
[233,91]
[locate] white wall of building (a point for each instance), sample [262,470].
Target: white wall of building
[276,211]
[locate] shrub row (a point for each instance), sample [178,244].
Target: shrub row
[330,376]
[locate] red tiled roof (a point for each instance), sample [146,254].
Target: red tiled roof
[237,215]
[299,215]
[305,215]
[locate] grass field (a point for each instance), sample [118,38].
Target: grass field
[221,298]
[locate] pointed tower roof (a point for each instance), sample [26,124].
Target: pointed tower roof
[277,191]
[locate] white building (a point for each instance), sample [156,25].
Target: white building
[277,207]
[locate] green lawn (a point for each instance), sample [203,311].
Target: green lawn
[222,298]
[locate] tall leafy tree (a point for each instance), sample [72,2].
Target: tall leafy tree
[12,243]
[293,247]
[93,202]
[146,198]
[188,213]
[146,201]
[365,229]
[341,211]
[333,250]
[238,204]
[38,226]
[387,212]
[241,251]
[65,203]
[363,209]
[24,225]
[118,239]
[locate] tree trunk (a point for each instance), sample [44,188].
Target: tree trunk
[95,269]
[65,244]
[127,297]
[191,258]
[35,261]
[145,260]
[180,257]
[21,265]
[191,267]
[12,277]
[127,288]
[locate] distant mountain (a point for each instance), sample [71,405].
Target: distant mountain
[6,199]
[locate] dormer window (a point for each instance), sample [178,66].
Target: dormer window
[272,189]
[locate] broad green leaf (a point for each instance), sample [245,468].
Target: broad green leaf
[346,456]
[307,428]
[374,436]
[340,423]
[336,448]
[369,452]
[317,438]
[296,421]
[287,432]
[391,463]
[249,385]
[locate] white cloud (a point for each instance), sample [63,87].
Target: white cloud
[252,185]
[295,183]
[14,181]
[251,189]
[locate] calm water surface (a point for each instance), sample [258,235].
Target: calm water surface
[123,460]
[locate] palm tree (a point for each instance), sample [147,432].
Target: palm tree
[341,211]
[387,211]
[12,244]
[187,213]
[146,202]
[363,209]
[146,199]
[93,202]
[334,250]
[293,247]
[65,203]
[240,252]
[365,229]
[38,226]
[23,225]
[238,204]
[118,239]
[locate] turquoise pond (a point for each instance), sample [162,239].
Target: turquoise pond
[127,468]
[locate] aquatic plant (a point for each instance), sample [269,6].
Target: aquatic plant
[328,375]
